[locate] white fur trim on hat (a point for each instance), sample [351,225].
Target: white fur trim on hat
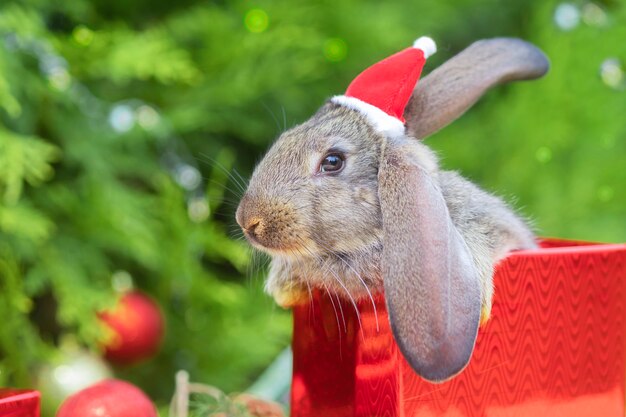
[381,121]
[426,44]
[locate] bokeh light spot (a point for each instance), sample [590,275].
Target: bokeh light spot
[256,20]
[59,79]
[122,118]
[567,16]
[543,154]
[612,73]
[198,209]
[147,117]
[121,281]
[594,15]
[335,49]
[82,35]
[188,176]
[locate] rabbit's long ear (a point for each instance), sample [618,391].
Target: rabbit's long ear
[431,284]
[452,88]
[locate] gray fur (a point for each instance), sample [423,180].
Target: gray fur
[334,235]
[488,226]
[442,234]
[448,91]
[432,285]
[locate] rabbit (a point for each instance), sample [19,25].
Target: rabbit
[341,207]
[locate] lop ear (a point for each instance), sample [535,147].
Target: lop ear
[431,284]
[449,90]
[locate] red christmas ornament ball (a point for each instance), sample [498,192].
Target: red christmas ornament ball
[110,398]
[137,329]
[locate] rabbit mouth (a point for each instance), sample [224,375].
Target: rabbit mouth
[282,249]
[257,243]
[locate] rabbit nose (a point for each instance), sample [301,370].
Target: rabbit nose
[249,222]
[252,225]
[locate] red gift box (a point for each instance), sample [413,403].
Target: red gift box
[554,346]
[19,403]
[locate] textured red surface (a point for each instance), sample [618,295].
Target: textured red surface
[19,403]
[109,398]
[138,329]
[555,346]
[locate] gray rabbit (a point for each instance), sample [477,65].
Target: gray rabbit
[351,205]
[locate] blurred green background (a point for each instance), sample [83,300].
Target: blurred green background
[122,124]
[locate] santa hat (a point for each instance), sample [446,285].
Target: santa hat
[382,91]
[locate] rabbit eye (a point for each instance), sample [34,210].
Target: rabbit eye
[332,163]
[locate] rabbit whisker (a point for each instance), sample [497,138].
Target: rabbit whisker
[284,118]
[252,254]
[243,181]
[309,290]
[273,117]
[369,293]
[238,180]
[343,317]
[301,262]
[332,303]
[238,193]
[336,277]
[258,261]
[237,235]
[311,303]
[240,185]
[352,300]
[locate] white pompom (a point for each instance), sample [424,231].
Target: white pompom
[427,45]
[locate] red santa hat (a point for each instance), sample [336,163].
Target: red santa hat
[382,91]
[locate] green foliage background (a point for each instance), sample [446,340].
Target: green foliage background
[207,86]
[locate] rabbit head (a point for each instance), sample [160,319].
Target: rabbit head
[342,206]
[312,204]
